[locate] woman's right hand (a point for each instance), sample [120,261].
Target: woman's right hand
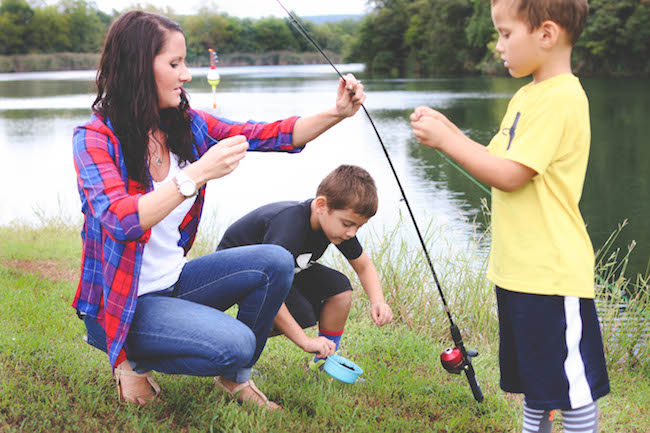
[220,159]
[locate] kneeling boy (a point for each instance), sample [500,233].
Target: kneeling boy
[345,200]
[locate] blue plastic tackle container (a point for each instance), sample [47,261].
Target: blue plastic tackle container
[342,369]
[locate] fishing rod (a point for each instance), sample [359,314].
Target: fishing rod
[456,359]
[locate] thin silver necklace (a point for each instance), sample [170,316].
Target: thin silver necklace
[158,157]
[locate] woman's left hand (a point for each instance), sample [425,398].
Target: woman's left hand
[350,96]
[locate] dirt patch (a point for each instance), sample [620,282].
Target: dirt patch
[47,269]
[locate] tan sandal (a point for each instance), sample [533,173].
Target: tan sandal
[136,398]
[249,383]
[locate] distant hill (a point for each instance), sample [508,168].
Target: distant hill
[320,19]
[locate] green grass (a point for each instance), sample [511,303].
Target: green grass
[51,381]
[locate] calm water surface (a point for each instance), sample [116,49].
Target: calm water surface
[38,112]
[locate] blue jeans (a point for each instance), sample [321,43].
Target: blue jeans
[184,330]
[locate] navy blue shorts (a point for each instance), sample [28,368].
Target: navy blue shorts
[311,287]
[551,350]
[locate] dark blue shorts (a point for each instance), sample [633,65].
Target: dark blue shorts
[311,287]
[551,350]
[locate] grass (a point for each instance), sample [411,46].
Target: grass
[51,381]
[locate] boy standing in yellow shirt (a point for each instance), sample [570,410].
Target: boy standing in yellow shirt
[541,259]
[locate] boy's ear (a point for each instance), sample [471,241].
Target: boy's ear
[549,34]
[321,203]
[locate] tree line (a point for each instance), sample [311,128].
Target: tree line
[443,37]
[397,38]
[77,26]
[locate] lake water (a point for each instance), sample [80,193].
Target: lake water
[38,112]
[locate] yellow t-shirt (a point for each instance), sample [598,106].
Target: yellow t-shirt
[539,240]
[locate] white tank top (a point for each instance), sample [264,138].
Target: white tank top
[163,259]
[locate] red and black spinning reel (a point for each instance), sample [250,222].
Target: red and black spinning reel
[457,359]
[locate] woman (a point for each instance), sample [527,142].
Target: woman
[142,163]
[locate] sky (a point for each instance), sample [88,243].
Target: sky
[247,8]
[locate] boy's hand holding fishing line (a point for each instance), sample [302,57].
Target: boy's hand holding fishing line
[432,128]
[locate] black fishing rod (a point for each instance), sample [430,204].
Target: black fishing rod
[456,359]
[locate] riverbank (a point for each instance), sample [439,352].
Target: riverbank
[50,380]
[89,61]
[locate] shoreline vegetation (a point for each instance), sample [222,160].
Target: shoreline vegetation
[50,380]
[396,38]
[89,61]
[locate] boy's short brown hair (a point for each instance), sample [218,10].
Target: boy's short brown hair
[571,15]
[350,187]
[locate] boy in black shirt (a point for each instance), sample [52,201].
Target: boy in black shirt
[345,200]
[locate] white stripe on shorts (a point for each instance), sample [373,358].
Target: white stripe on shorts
[579,391]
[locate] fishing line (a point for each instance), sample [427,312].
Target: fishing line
[465,363]
[465,173]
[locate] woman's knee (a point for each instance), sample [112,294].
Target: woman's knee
[237,350]
[280,258]
[279,266]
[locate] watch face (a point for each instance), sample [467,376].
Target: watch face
[187,189]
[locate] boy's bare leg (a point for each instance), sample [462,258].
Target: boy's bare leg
[335,311]
[333,316]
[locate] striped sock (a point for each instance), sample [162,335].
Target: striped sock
[581,420]
[334,336]
[537,420]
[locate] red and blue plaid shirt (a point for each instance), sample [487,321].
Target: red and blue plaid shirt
[112,238]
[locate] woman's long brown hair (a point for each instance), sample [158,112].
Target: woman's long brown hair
[127,92]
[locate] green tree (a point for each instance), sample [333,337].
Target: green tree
[425,37]
[274,34]
[15,21]
[301,43]
[248,40]
[381,44]
[616,39]
[480,32]
[346,32]
[436,37]
[51,31]
[87,31]
[211,30]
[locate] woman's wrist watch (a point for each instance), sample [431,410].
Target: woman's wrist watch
[186,186]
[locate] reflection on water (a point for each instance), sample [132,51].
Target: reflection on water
[39,111]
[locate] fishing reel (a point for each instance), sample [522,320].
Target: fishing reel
[452,359]
[457,360]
